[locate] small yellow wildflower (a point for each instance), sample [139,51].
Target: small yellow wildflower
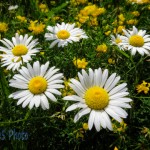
[111,61]
[42,53]
[132,22]
[83,19]
[85,126]
[80,63]
[77,2]
[107,33]
[119,29]
[93,22]
[135,13]
[22,19]
[121,22]
[102,48]
[43,8]
[3,27]
[115,148]
[36,28]
[21,31]
[121,17]
[52,2]
[143,87]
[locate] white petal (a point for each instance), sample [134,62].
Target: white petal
[113,84]
[50,96]
[109,81]
[44,101]
[107,120]
[81,113]
[113,114]
[73,98]
[97,121]
[119,95]
[91,119]
[104,77]
[117,89]
[37,100]
[75,106]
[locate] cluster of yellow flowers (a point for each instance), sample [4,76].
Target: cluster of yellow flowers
[143,87]
[80,63]
[43,8]
[77,2]
[67,90]
[119,24]
[36,28]
[22,19]
[89,14]
[3,27]
[119,127]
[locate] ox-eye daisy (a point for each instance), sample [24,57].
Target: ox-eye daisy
[136,41]
[64,34]
[100,96]
[37,84]
[18,51]
[116,40]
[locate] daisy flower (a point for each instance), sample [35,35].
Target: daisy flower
[64,34]
[36,85]
[100,96]
[116,40]
[18,51]
[136,41]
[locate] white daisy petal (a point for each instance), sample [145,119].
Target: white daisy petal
[104,77]
[97,121]
[75,106]
[81,113]
[44,101]
[91,119]
[117,89]
[113,114]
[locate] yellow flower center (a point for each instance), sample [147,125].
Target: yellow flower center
[19,50]
[136,41]
[118,40]
[96,98]
[37,85]
[63,34]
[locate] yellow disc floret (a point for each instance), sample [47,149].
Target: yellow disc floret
[118,40]
[136,41]
[96,98]
[20,50]
[63,34]
[37,85]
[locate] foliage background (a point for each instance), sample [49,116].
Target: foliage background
[54,128]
